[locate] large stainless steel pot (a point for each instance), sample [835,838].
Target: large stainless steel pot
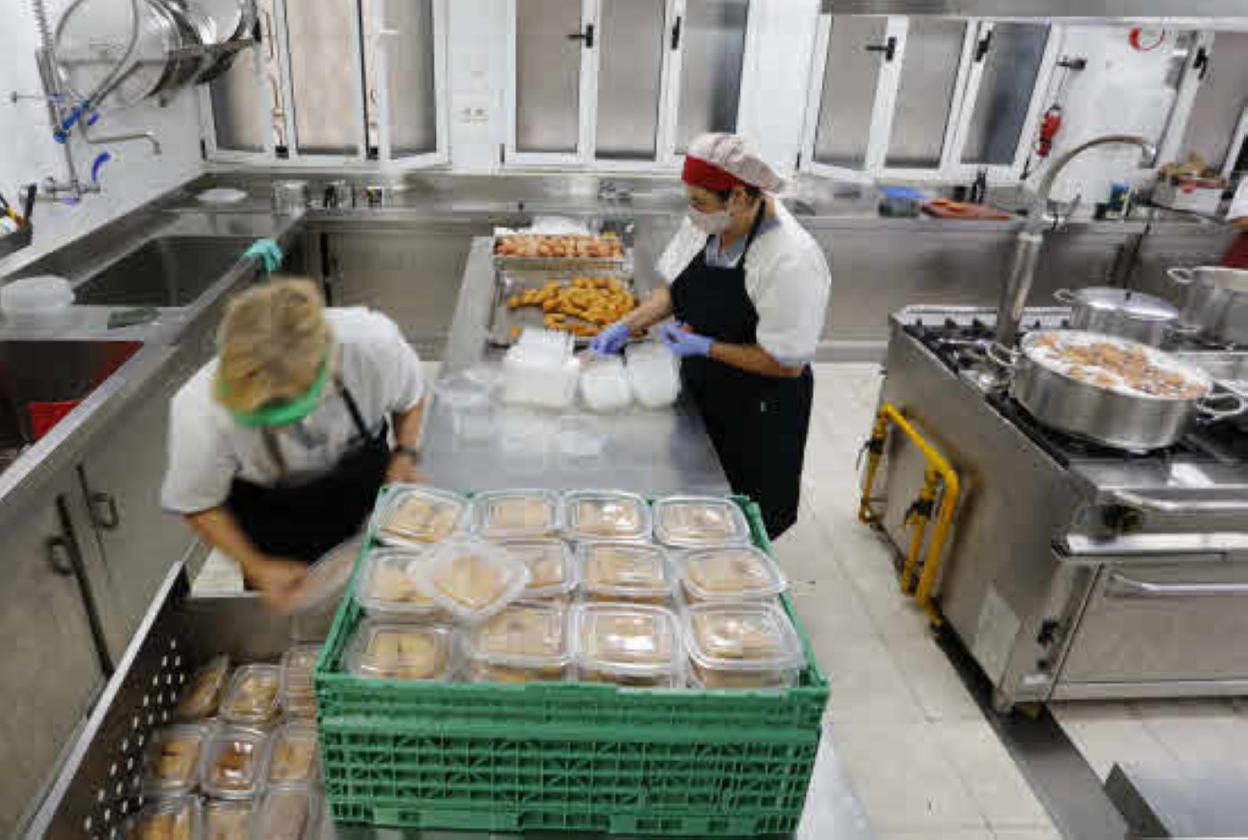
[1102,414]
[1216,302]
[1122,312]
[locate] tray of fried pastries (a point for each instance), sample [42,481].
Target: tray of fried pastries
[628,644]
[699,521]
[741,646]
[386,587]
[526,250]
[580,303]
[606,515]
[417,515]
[293,755]
[173,818]
[728,573]
[552,568]
[614,571]
[525,642]
[402,651]
[233,764]
[503,514]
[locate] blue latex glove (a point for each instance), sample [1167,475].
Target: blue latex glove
[611,340]
[684,343]
[267,252]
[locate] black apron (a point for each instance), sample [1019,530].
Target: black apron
[303,521]
[758,424]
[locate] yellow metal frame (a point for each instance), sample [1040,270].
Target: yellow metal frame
[938,472]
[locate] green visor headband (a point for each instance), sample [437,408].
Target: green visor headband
[289,411]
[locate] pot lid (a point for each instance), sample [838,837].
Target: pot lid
[1137,305]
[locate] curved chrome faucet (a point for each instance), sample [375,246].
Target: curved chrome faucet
[1031,237]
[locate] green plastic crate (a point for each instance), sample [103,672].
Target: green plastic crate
[567,756]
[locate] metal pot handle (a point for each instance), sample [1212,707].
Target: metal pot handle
[1065,296]
[1180,275]
[1177,328]
[1208,412]
[1006,357]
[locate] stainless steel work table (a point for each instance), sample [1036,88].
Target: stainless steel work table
[648,451]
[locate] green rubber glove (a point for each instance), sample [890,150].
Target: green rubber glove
[267,252]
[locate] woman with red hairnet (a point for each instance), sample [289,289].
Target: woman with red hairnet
[749,288]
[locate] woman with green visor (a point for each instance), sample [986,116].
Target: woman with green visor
[277,447]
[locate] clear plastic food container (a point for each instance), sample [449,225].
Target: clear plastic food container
[580,439]
[251,697]
[537,376]
[502,514]
[653,374]
[552,572]
[470,578]
[606,515]
[612,571]
[175,818]
[296,692]
[327,578]
[171,765]
[293,755]
[287,814]
[233,765]
[629,644]
[604,385]
[203,694]
[526,642]
[228,819]
[730,573]
[699,521]
[401,651]
[385,588]
[742,646]
[420,515]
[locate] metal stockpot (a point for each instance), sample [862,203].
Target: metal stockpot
[1216,303]
[1122,312]
[1104,415]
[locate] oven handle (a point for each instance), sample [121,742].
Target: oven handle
[1156,505]
[1121,586]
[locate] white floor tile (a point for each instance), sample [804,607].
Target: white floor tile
[990,774]
[865,684]
[933,680]
[904,780]
[1107,733]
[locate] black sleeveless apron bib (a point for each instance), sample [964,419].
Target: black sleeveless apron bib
[303,521]
[758,424]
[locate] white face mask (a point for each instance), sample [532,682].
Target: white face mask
[716,222]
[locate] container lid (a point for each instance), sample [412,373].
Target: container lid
[384,587]
[177,817]
[417,515]
[293,755]
[526,635]
[516,513]
[729,573]
[287,814]
[171,765]
[635,640]
[228,819]
[471,578]
[606,514]
[251,696]
[297,694]
[741,637]
[460,391]
[551,570]
[1137,305]
[203,694]
[624,570]
[327,578]
[696,521]
[221,195]
[45,294]
[400,651]
[233,766]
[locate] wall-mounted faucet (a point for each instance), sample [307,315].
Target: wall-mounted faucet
[1031,238]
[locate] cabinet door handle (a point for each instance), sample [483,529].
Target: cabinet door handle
[59,555]
[587,36]
[104,511]
[889,48]
[1121,586]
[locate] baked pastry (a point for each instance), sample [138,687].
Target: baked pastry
[174,758]
[390,583]
[423,518]
[402,652]
[628,645]
[284,815]
[618,571]
[233,769]
[252,694]
[204,692]
[550,573]
[293,759]
[473,578]
[742,646]
[523,643]
[697,521]
[724,573]
[227,819]
[517,513]
[608,517]
[166,825]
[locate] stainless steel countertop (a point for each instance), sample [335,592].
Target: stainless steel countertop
[660,451]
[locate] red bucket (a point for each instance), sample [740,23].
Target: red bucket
[45,415]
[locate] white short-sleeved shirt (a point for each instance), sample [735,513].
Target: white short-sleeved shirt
[208,448]
[1239,203]
[786,277]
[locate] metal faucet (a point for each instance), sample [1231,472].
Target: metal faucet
[1031,238]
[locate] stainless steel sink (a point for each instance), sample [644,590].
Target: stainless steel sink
[167,271]
[35,373]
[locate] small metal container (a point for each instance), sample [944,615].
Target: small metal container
[338,194]
[1216,304]
[290,198]
[1121,312]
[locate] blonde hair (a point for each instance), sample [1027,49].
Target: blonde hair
[271,344]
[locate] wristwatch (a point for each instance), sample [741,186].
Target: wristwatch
[411,452]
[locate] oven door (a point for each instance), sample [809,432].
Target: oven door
[1176,622]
